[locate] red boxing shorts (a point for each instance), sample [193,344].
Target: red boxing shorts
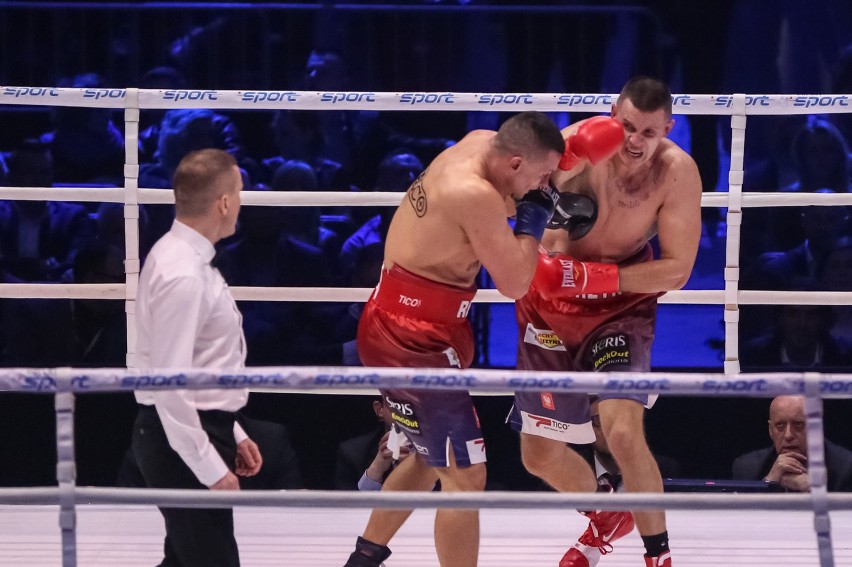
[414,322]
[584,334]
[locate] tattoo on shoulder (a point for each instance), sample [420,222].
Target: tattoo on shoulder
[417,196]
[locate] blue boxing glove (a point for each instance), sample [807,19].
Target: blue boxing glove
[575,213]
[534,210]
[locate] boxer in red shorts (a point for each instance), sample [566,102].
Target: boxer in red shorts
[592,305]
[451,223]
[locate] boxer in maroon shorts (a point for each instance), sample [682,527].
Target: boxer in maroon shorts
[591,307]
[591,334]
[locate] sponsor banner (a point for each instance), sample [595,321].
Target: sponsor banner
[49,380]
[612,350]
[551,428]
[476,450]
[719,104]
[543,338]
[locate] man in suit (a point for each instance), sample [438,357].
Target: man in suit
[38,239]
[786,462]
[802,338]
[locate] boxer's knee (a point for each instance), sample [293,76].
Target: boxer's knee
[463,479]
[539,455]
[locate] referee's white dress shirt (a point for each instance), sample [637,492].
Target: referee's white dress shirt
[186,317]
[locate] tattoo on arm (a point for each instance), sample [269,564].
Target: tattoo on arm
[417,196]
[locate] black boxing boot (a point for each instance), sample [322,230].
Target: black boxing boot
[368,554]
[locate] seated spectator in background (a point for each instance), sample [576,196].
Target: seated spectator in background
[357,139]
[800,338]
[786,462]
[225,135]
[837,276]
[339,322]
[776,169]
[4,169]
[303,223]
[109,226]
[38,239]
[768,174]
[86,145]
[821,157]
[297,135]
[841,83]
[396,173]
[365,461]
[99,325]
[70,332]
[265,255]
[280,470]
[821,226]
[181,131]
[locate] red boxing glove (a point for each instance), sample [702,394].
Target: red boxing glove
[595,140]
[560,276]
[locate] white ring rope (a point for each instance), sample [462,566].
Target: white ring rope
[305,378]
[361,294]
[409,500]
[720,104]
[368,198]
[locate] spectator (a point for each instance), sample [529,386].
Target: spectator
[280,470]
[786,462]
[822,163]
[821,157]
[357,139]
[303,223]
[266,256]
[820,226]
[842,84]
[86,145]
[837,276]
[365,461]
[70,332]
[225,134]
[181,131]
[100,326]
[801,338]
[38,239]
[298,135]
[396,173]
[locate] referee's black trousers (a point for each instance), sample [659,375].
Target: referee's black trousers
[195,537]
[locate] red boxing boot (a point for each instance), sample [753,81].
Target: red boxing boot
[664,560]
[604,528]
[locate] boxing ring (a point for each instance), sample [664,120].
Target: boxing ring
[108,526]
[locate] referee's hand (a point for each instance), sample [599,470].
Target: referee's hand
[227,482]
